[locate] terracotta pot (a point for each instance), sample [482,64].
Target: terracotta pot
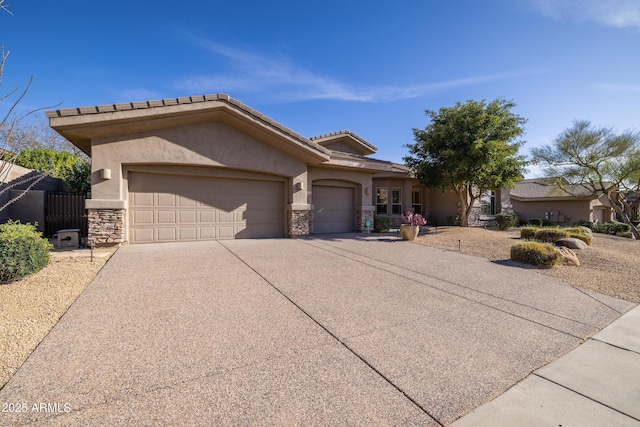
[409,232]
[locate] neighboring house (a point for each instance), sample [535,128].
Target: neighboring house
[540,198]
[210,167]
[30,206]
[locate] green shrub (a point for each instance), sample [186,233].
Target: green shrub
[381,224]
[549,223]
[574,230]
[536,222]
[550,235]
[506,220]
[535,253]
[528,232]
[23,251]
[584,223]
[612,227]
[453,219]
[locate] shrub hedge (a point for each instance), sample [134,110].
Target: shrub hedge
[506,220]
[550,235]
[612,227]
[23,251]
[381,224]
[528,232]
[535,253]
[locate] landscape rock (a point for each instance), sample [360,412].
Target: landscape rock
[586,230]
[569,257]
[571,243]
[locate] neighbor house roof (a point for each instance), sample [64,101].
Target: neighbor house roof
[358,144]
[546,188]
[81,125]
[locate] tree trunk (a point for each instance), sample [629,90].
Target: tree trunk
[625,218]
[462,201]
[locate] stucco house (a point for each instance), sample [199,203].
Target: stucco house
[541,198]
[211,167]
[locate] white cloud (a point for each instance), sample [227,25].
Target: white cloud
[282,79]
[613,13]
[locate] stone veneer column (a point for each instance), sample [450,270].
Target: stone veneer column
[299,221]
[106,226]
[364,214]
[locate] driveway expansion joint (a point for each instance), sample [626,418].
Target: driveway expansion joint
[337,339]
[467,288]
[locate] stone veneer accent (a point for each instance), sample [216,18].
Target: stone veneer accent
[299,222]
[106,226]
[362,215]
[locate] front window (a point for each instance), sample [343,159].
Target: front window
[416,201]
[396,201]
[488,203]
[382,201]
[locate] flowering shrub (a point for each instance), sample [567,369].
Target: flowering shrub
[413,219]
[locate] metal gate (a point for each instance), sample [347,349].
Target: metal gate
[64,211]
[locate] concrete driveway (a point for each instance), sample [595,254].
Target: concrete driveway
[342,330]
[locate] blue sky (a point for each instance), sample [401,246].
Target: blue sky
[323,66]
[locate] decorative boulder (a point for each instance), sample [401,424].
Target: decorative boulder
[586,230]
[568,256]
[571,243]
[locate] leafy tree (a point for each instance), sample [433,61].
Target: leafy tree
[597,159]
[73,170]
[469,148]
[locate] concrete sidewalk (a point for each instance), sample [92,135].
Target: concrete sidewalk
[339,330]
[597,384]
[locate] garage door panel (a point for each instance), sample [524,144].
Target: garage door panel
[143,217]
[188,216]
[166,234]
[174,208]
[166,217]
[166,200]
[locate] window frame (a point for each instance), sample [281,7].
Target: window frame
[396,207]
[417,204]
[379,205]
[488,203]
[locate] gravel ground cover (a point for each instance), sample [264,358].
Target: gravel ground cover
[611,266]
[30,307]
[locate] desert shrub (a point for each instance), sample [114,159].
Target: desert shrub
[453,219]
[535,222]
[612,227]
[575,230]
[550,235]
[582,236]
[506,220]
[548,223]
[528,232]
[584,223]
[535,253]
[23,251]
[381,224]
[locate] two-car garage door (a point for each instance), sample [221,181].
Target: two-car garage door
[165,208]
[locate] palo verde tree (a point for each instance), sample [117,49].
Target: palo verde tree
[597,159]
[469,149]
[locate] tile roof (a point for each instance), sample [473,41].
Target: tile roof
[545,188]
[220,97]
[337,135]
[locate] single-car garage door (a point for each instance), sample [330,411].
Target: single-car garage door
[333,209]
[167,208]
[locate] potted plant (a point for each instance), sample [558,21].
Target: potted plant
[411,225]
